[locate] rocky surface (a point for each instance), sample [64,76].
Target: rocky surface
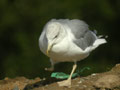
[98,81]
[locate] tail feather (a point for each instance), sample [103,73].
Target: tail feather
[95,45]
[99,42]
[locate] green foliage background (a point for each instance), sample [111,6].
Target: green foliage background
[21,23]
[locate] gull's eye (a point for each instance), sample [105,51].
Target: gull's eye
[56,36]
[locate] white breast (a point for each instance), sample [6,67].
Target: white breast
[67,51]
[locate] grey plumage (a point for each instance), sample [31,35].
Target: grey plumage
[84,37]
[85,41]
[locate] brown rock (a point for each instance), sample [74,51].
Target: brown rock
[108,81]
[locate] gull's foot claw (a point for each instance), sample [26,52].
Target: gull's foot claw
[66,83]
[49,69]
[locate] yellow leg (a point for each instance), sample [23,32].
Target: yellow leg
[68,81]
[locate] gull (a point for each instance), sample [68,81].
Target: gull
[64,40]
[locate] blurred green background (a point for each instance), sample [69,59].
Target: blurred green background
[21,23]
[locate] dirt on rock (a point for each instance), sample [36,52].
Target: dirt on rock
[98,81]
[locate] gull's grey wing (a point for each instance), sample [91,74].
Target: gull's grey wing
[84,37]
[85,41]
[43,43]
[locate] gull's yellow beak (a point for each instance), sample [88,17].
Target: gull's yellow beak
[50,45]
[48,49]
[47,52]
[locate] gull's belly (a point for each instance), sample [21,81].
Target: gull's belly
[66,51]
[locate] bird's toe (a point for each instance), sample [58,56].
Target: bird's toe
[49,69]
[66,83]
